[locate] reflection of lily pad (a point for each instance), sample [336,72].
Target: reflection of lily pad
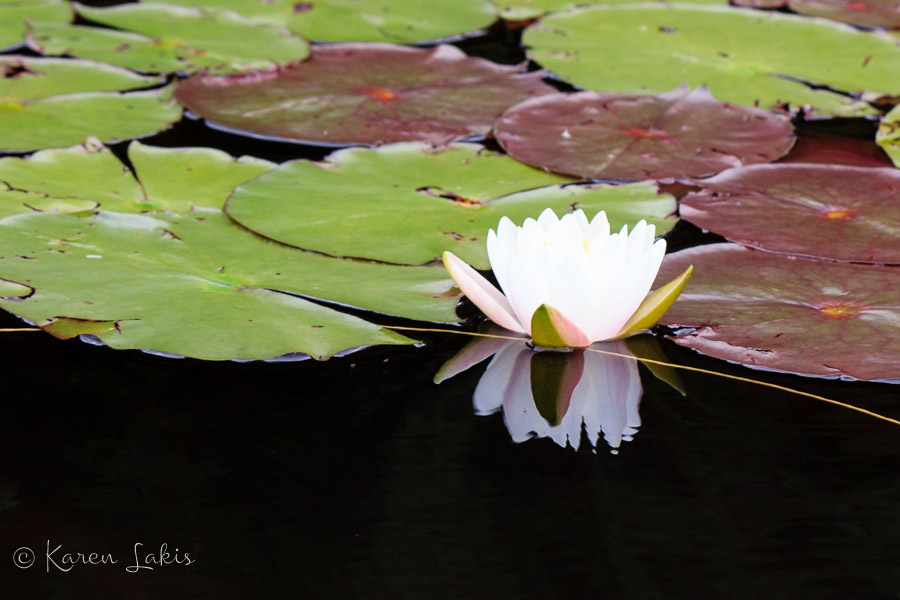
[825,211]
[48,102]
[788,314]
[197,285]
[366,94]
[170,38]
[13,14]
[399,21]
[745,56]
[90,177]
[628,136]
[407,203]
[889,134]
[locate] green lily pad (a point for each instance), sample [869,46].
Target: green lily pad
[89,177]
[397,21]
[408,203]
[366,94]
[13,14]
[888,136]
[522,10]
[10,290]
[788,314]
[744,56]
[823,211]
[633,136]
[170,39]
[48,102]
[197,285]
[180,179]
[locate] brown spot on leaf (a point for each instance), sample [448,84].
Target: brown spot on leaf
[17,70]
[442,193]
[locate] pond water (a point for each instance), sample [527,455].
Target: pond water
[361,478]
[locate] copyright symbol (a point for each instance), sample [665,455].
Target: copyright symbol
[23,557]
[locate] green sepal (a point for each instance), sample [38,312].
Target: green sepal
[655,305]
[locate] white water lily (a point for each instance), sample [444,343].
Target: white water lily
[569,282]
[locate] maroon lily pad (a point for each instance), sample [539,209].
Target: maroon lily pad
[787,313]
[365,94]
[823,211]
[827,148]
[761,3]
[867,13]
[634,136]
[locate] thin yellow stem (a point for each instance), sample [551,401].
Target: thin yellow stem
[20,329]
[674,366]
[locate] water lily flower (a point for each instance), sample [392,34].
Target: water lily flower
[568,283]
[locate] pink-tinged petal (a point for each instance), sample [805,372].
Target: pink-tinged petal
[550,329]
[476,351]
[480,291]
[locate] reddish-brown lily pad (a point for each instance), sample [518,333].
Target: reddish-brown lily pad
[635,136]
[365,94]
[760,3]
[827,148]
[823,211]
[867,13]
[787,313]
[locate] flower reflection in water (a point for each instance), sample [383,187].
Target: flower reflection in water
[558,394]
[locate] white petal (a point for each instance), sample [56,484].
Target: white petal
[480,291]
[499,255]
[548,219]
[526,280]
[599,226]
[568,288]
[637,240]
[583,224]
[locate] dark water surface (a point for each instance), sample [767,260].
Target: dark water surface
[360,478]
